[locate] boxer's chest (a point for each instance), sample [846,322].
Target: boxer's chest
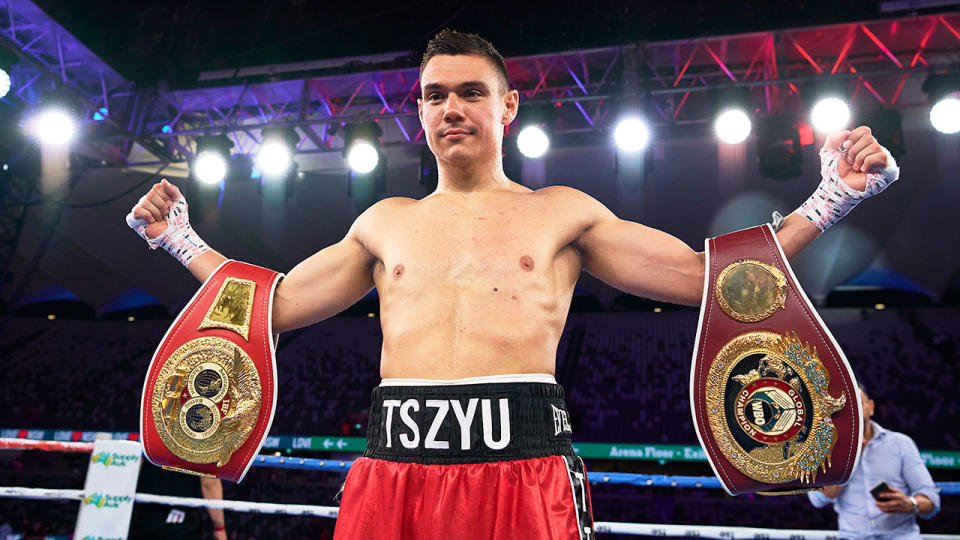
[462,246]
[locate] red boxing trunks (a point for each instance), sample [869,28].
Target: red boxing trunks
[476,458]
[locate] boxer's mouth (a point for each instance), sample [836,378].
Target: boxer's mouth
[456,133]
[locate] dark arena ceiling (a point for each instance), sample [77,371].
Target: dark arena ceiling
[149,40]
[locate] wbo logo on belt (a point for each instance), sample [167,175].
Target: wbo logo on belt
[774,400]
[209,396]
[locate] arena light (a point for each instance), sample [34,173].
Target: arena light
[363,157]
[7,59]
[945,115]
[943,90]
[830,114]
[210,167]
[533,142]
[360,148]
[275,158]
[367,174]
[631,134]
[210,164]
[4,82]
[732,126]
[53,126]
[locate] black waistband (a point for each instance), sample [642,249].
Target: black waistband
[470,423]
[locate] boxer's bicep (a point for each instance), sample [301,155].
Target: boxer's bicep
[642,261]
[323,285]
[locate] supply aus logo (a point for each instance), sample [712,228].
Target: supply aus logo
[104,500]
[113,459]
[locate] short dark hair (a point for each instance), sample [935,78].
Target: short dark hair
[451,42]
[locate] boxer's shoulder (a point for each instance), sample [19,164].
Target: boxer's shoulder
[384,210]
[568,197]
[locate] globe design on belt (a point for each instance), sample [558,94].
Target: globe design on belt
[206,400]
[769,408]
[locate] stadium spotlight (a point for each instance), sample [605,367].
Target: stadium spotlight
[210,164]
[360,149]
[367,175]
[54,126]
[945,115]
[830,114]
[4,82]
[631,134]
[275,158]
[732,126]
[362,157]
[534,125]
[7,59]
[944,91]
[533,141]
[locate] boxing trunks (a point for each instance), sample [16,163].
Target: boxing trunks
[480,458]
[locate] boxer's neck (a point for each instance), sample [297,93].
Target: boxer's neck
[471,177]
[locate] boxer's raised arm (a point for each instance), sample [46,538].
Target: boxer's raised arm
[161,217]
[652,264]
[649,263]
[319,287]
[324,284]
[637,259]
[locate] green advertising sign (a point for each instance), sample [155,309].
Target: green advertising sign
[662,453]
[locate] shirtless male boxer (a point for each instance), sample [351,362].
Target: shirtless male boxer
[468,435]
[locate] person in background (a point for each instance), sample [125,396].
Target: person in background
[158,521]
[889,489]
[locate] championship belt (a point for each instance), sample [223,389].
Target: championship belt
[210,392]
[774,401]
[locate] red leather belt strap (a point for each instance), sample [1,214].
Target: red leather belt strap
[774,401]
[209,396]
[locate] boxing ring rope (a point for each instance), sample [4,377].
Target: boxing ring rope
[48,446]
[638,529]
[329,465]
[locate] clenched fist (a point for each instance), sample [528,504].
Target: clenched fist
[161,218]
[861,154]
[154,207]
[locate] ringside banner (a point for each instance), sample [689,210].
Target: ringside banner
[109,490]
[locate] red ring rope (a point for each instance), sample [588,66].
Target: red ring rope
[49,446]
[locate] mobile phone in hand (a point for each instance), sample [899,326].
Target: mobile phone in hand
[879,489]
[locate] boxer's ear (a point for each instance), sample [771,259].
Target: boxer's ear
[511,101]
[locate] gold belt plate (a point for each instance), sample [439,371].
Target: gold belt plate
[751,291]
[769,409]
[206,400]
[232,307]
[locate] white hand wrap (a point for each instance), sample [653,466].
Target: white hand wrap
[179,239]
[833,198]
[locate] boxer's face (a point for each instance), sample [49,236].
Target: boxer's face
[464,108]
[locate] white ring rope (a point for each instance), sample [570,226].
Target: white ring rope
[636,529]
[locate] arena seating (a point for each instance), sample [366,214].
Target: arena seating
[626,374]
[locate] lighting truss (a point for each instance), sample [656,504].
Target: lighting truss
[882,63]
